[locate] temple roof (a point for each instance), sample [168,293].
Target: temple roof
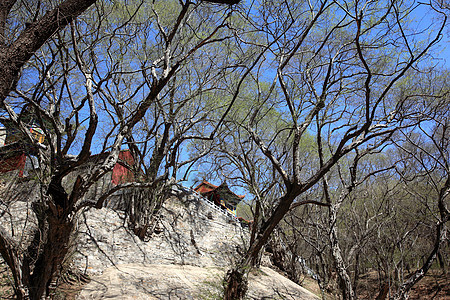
[223,190]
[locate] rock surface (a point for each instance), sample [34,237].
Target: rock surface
[191,245]
[148,282]
[190,231]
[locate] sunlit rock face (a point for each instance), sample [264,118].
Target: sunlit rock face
[189,230]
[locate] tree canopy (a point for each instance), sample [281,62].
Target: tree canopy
[304,104]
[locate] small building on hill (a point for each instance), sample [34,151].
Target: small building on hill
[17,153]
[13,158]
[221,195]
[122,172]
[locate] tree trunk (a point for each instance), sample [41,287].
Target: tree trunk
[138,211]
[142,207]
[383,292]
[9,251]
[356,275]
[285,258]
[34,268]
[53,253]
[55,230]
[235,284]
[345,280]
[14,56]
[441,236]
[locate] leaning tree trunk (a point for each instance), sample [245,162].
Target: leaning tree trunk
[234,282]
[441,237]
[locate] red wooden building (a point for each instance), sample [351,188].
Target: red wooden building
[13,162]
[14,158]
[221,195]
[16,154]
[121,172]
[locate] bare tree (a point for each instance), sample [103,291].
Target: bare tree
[334,70]
[123,88]
[327,69]
[19,41]
[429,156]
[382,203]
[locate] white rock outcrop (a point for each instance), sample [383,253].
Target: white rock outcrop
[190,231]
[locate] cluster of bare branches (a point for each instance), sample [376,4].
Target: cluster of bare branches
[292,100]
[113,78]
[339,90]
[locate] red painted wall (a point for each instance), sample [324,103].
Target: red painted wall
[13,163]
[120,173]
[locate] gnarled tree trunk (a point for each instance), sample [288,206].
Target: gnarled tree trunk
[34,268]
[236,284]
[54,251]
[345,281]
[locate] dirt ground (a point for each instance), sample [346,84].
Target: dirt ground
[435,285]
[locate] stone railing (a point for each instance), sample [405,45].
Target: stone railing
[209,203]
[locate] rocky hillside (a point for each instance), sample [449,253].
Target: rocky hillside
[191,245]
[186,256]
[190,230]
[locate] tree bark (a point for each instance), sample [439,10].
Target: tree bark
[53,253]
[14,56]
[55,230]
[236,284]
[345,280]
